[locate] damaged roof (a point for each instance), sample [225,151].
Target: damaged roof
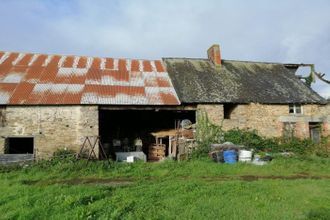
[199,81]
[40,79]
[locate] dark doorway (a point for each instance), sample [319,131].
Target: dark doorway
[120,128]
[19,145]
[315,131]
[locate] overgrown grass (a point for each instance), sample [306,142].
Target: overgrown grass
[195,189]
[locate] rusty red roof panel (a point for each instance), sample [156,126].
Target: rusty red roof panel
[68,62]
[159,66]
[21,93]
[135,65]
[25,60]
[6,91]
[40,79]
[109,63]
[82,62]
[6,62]
[147,66]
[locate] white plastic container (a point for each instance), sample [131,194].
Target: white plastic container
[130,159]
[245,156]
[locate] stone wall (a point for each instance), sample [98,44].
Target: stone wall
[325,112]
[268,120]
[53,127]
[214,112]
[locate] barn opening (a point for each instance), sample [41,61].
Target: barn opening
[19,145]
[130,130]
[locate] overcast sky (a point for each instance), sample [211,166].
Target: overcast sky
[290,31]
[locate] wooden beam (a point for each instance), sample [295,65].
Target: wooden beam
[154,108]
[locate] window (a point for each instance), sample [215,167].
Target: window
[295,109]
[228,108]
[19,145]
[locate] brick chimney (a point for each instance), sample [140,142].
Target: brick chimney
[214,55]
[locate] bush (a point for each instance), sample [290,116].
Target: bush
[63,156]
[322,149]
[300,146]
[208,133]
[64,153]
[250,139]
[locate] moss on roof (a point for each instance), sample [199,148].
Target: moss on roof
[198,81]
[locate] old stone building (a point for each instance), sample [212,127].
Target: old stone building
[51,102]
[267,97]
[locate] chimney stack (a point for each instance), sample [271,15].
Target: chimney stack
[213,54]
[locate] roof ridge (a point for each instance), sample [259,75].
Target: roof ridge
[101,57]
[229,60]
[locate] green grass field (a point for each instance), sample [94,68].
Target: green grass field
[287,188]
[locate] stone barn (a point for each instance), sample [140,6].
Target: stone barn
[50,102]
[267,97]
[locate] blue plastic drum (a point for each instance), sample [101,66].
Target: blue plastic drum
[230,156]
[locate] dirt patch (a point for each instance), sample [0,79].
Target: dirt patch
[81,181]
[258,177]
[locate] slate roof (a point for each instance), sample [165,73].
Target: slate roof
[198,81]
[41,79]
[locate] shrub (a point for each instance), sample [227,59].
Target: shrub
[296,145]
[322,149]
[61,156]
[250,139]
[209,133]
[64,153]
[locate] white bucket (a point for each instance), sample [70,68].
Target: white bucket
[245,156]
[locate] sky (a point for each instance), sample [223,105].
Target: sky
[288,31]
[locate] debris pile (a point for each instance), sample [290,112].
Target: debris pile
[231,153]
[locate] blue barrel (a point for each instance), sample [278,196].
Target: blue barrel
[230,156]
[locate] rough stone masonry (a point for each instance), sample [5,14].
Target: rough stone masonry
[53,127]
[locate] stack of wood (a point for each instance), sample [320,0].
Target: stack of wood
[156,152]
[181,142]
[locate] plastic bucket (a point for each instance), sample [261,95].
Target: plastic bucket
[230,156]
[245,155]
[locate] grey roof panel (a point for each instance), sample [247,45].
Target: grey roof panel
[198,81]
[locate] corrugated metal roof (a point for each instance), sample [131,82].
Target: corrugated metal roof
[39,79]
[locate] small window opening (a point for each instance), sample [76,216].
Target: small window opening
[295,109]
[19,145]
[228,109]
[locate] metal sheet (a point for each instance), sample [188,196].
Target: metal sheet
[39,79]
